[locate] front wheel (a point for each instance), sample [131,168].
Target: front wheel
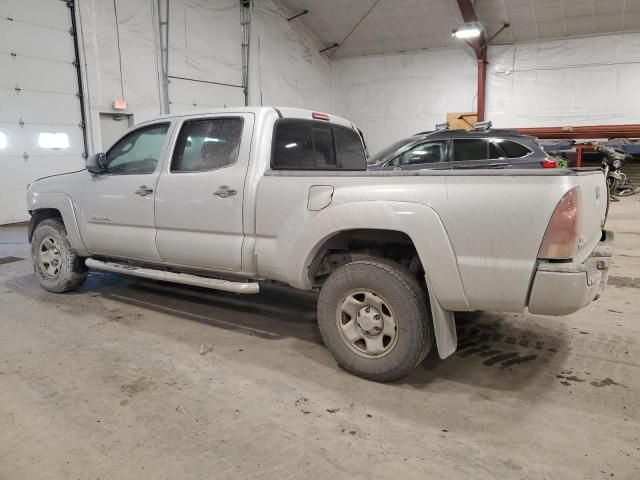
[57,266]
[373,318]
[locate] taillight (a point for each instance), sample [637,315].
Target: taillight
[320,116]
[548,163]
[561,238]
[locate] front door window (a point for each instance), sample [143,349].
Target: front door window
[137,153]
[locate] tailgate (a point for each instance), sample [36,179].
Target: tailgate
[595,199]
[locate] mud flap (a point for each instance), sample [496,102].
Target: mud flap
[444,325]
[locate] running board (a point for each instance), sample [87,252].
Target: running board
[184,278]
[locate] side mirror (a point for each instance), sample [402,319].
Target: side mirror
[97,163]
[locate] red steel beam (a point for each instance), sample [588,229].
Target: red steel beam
[469,14]
[482,87]
[584,132]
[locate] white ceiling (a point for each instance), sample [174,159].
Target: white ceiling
[403,25]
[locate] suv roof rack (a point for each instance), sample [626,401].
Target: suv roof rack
[482,126]
[443,126]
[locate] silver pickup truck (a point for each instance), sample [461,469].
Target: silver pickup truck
[229,198]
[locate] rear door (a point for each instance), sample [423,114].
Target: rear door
[200,193]
[474,153]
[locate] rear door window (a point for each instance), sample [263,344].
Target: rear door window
[470,149]
[207,144]
[311,145]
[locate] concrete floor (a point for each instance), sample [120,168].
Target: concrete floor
[109,383]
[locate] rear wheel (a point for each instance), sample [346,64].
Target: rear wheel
[57,266]
[373,318]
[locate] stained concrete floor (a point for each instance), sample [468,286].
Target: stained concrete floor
[109,382]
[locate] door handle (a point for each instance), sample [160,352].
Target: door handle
[143,191]
[224,192]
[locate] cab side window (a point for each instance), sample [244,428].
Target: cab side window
[207,144]
[139,152]
[430,152]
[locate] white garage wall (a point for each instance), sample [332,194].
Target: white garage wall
[286,68]
[393,96]
[583,81]
[121,49]
[121,59]
[205,56]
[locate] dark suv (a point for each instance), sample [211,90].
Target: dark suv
[449,149]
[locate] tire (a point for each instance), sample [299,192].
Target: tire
[57,266]
[391,293]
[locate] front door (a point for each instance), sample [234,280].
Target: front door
[117,208]
[200,195]
[431,155]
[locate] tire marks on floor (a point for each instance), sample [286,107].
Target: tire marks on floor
[499,345]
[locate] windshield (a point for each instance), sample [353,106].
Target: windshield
[385,152]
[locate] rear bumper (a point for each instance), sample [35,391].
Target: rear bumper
[564,288]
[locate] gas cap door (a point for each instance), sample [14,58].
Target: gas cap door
[319,197]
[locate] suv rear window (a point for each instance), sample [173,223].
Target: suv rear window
[513,149]
[310,145]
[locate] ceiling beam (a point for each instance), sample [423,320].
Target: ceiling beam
[469,14]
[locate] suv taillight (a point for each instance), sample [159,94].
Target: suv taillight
[561,238]
[548,163]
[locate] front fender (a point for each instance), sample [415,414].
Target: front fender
[420,222]
[61,202]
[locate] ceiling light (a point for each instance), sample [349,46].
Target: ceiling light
[468,30]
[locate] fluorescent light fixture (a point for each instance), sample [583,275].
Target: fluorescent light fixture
[468,30]
[290,145]
[3,141]
[53,140]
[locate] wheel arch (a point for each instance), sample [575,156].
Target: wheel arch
[57,205]
[417,223]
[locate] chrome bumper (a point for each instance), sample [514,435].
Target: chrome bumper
[564,288]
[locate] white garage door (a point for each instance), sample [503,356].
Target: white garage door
[40,119]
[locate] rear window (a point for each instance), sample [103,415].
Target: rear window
[513,149]
[310,145]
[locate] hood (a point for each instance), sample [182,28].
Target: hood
[67,183]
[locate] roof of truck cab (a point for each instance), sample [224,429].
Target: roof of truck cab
[282,112]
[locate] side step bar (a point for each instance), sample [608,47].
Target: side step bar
[184,278]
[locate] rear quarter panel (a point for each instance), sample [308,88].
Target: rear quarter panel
[478,233]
